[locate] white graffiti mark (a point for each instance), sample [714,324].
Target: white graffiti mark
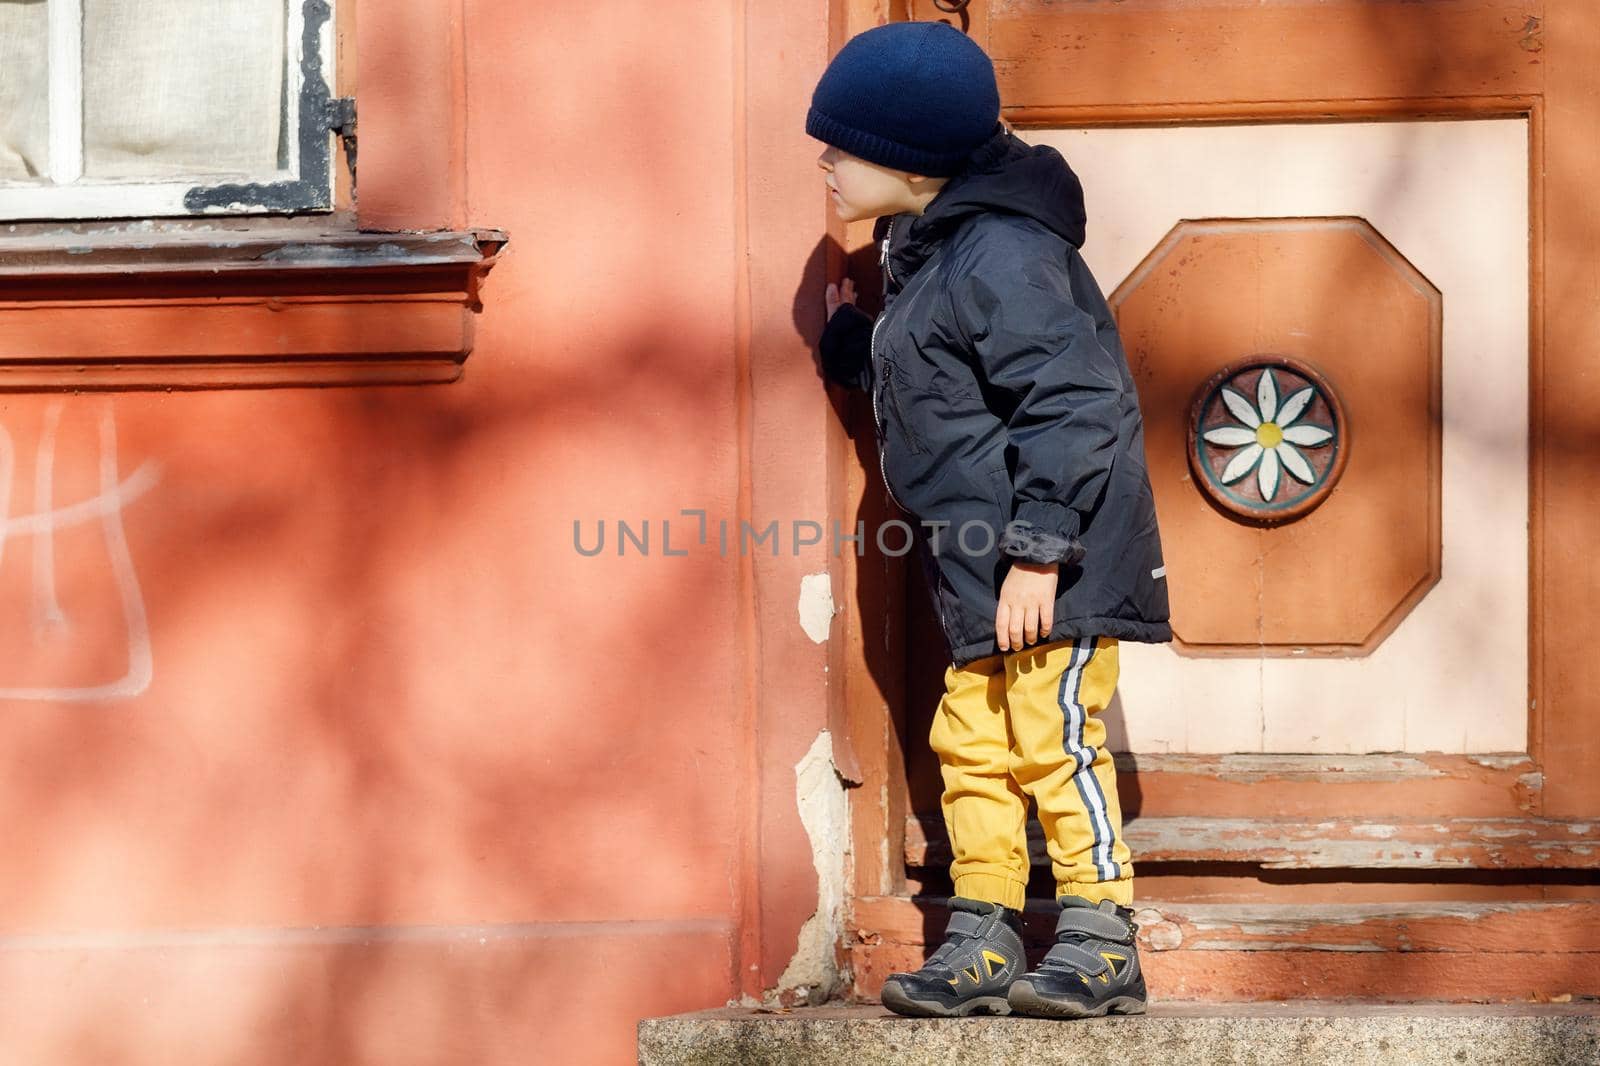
[42,524]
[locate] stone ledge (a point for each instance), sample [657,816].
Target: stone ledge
[1172,1032]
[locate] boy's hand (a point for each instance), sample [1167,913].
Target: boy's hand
[837,295]
[1027,599]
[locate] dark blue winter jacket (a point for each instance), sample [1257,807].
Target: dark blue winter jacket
[1008,424]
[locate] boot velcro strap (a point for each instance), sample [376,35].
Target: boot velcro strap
[965,923]
[1095,923]
[1075,957]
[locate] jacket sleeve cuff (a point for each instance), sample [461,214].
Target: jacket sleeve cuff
[846,346]
[1043,532]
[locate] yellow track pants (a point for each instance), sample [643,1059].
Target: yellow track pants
[1027,723]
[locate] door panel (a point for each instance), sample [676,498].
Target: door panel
[1452,674]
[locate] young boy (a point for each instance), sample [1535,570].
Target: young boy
[1009,431]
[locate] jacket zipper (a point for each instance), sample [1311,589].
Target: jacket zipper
[872,355]
[883,256]
[888,274]
[880,378]
[877,419]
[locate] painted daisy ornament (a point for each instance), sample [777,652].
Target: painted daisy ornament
[1273,419]
[1268,435]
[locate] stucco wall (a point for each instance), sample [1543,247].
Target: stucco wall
[409,779]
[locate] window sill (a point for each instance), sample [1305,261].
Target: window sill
[239,308]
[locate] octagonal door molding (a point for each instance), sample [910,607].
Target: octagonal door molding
[1305,420]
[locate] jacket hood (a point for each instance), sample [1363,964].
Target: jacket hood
[1004,174]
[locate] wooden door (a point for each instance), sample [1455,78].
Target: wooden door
[1370,764]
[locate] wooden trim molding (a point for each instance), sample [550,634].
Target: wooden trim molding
[1294,926]
[1431,785]
[1231,57]
[1282,844]
[1194,113]
[1256,767]
[1398,952]
[869,648]
[220,308]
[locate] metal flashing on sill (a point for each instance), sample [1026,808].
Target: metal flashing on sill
[214,251]
[235,308]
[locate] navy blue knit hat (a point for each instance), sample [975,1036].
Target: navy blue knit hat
[917,96]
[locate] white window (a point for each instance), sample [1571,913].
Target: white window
[140,108]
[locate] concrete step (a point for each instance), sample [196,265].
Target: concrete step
[1180,1034]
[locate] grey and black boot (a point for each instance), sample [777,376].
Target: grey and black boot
[980,957]
[1092,970]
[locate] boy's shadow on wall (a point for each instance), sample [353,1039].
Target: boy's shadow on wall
[891,608]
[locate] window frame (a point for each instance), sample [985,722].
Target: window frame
[306,185]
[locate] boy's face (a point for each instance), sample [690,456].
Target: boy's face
[866,190]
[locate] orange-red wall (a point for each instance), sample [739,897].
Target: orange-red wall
[411,779]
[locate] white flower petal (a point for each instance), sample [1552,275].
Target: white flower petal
[1241,464]
[1295,406]
[1267,395]
[1230,436]
[1295,463]
[1267,476]
[1307,436]
[1240,407]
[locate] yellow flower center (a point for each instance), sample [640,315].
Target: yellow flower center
[1269,435]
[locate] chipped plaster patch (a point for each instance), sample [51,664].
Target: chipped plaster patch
[816,605]
[812,975]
